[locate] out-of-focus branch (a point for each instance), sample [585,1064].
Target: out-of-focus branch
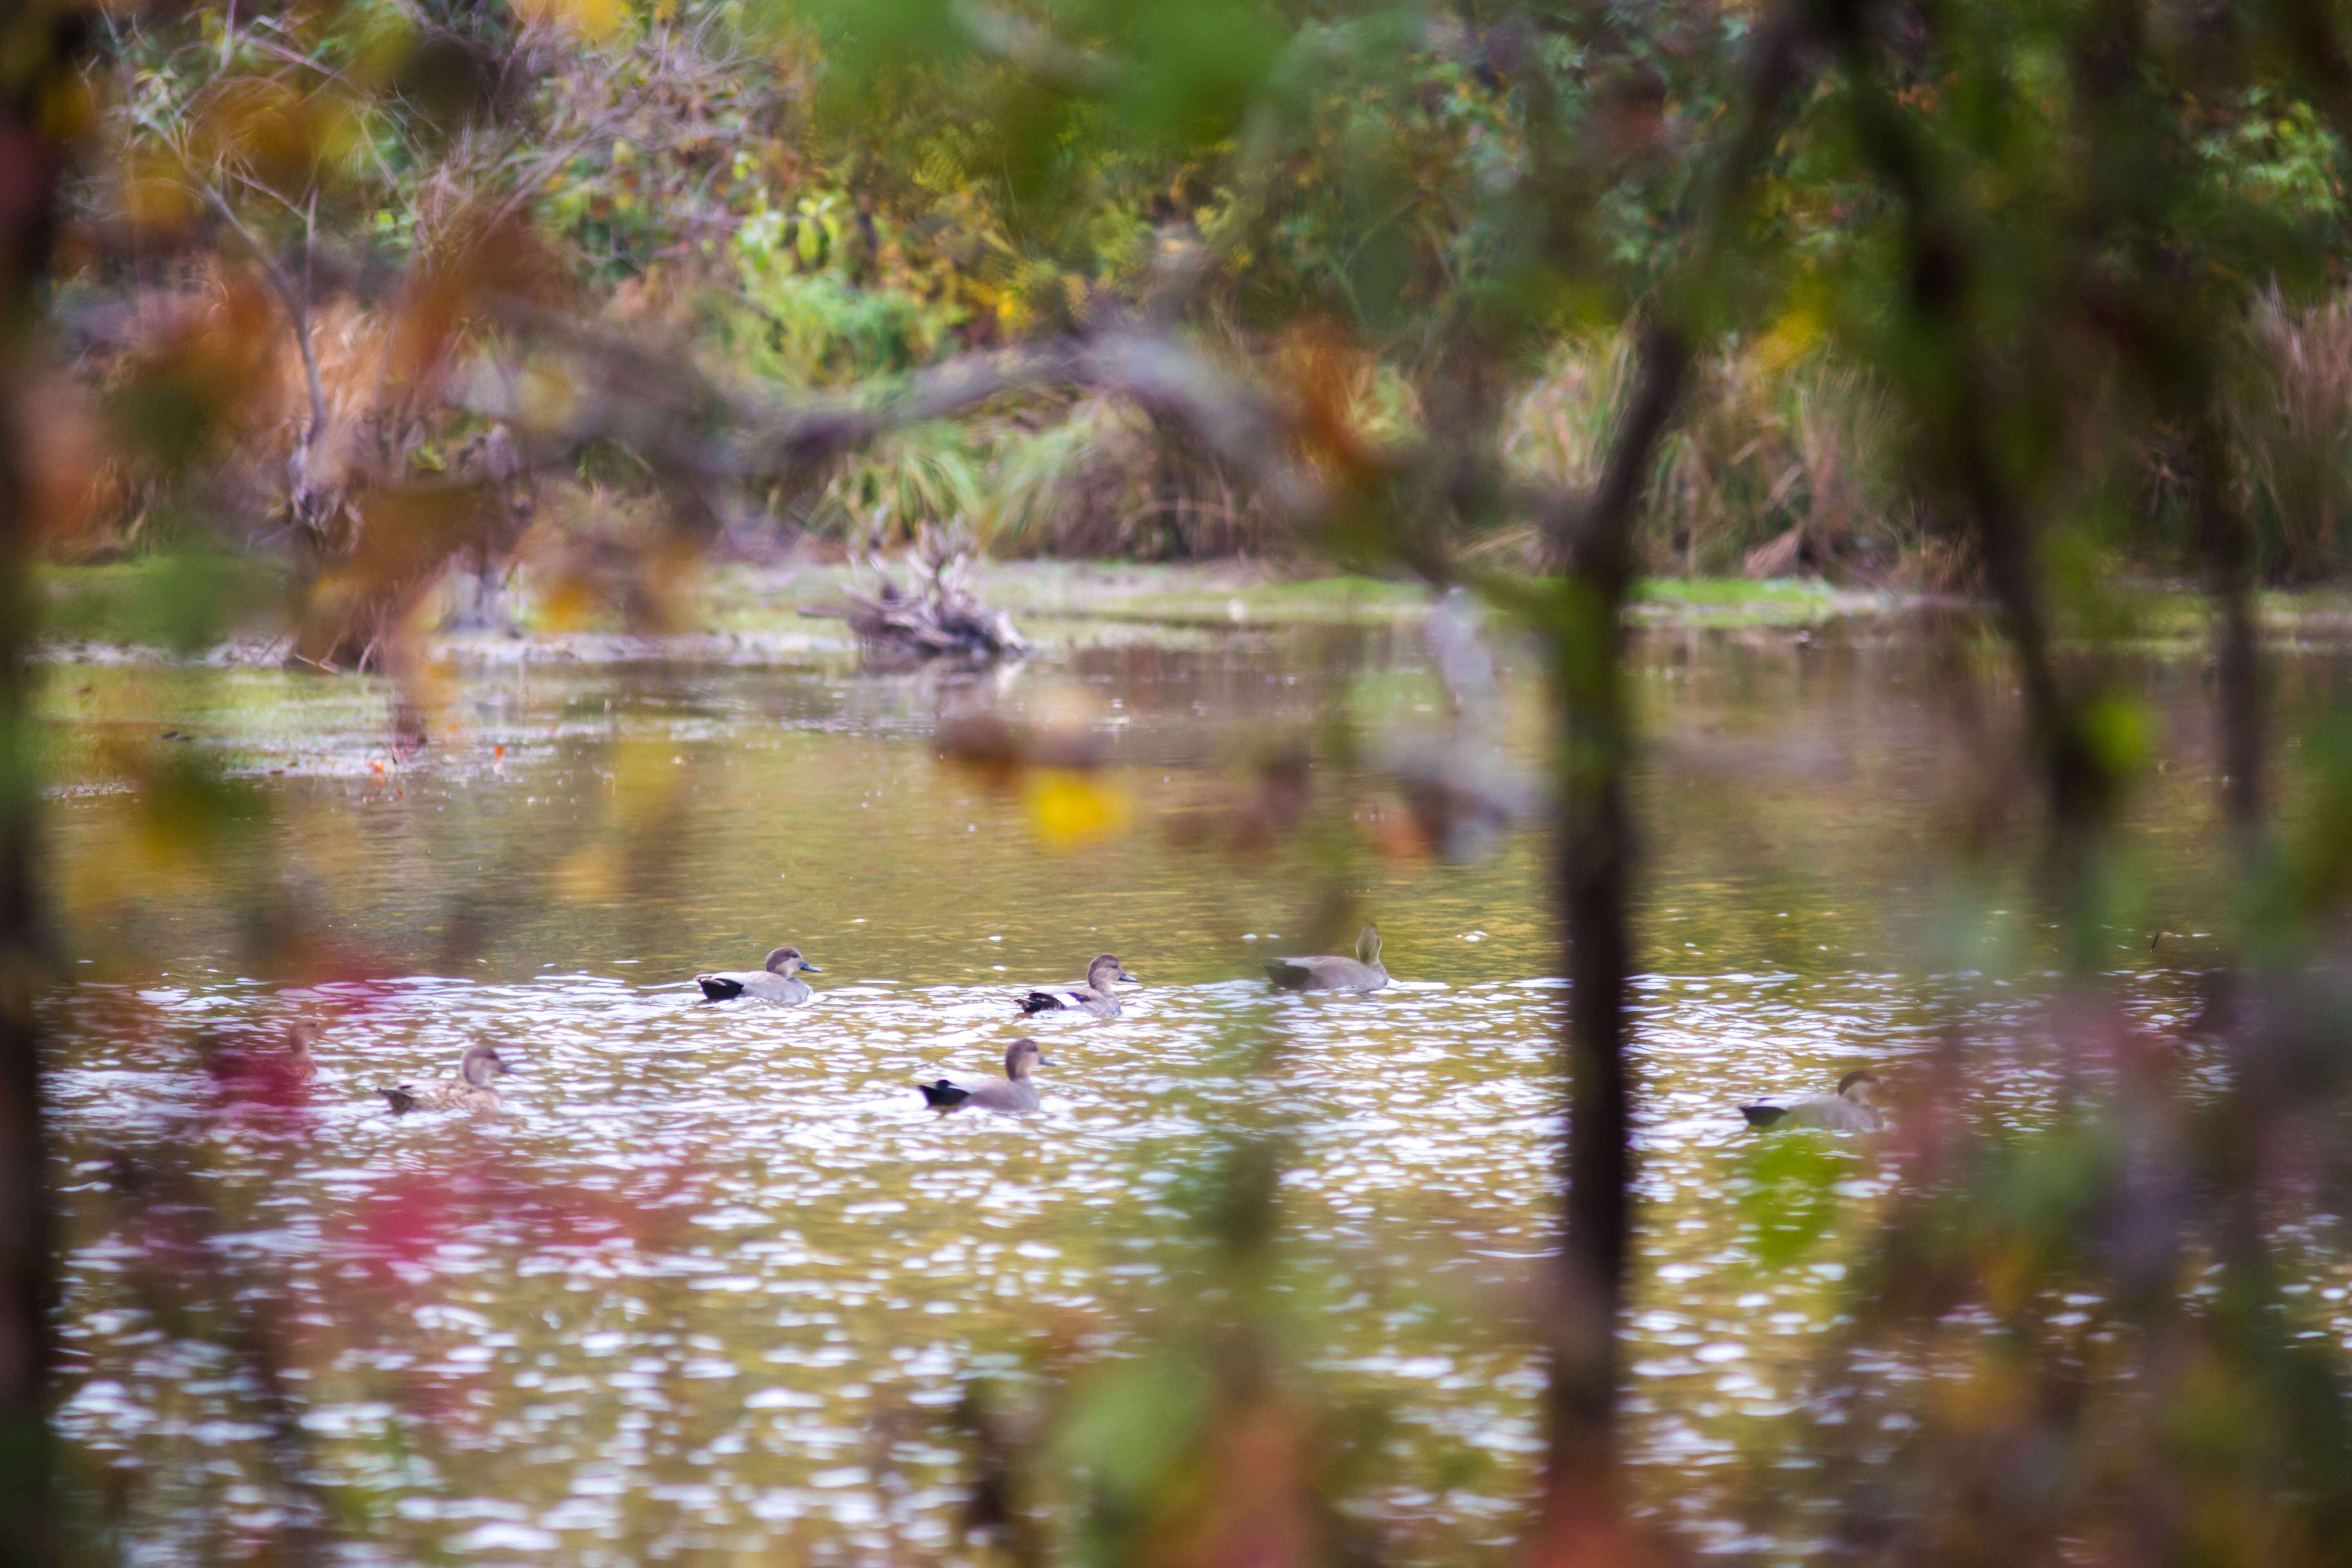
[1594,536]
[1593,540]
[2225,539]
[1941,282]
[296,302]
[44,43]
[2177,355]
[1593,881]
[624,391]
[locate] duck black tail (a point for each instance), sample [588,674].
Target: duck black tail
[1762,1115]
[1287,976]
[943,1095]
[1042,1002]
[399,1098]
[718,988]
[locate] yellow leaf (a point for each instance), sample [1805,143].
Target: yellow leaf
[1070,810]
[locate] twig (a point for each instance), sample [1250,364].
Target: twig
[298,306]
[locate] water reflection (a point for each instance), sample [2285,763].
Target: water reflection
[714,1281]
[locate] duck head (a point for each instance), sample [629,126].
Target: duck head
[1106,969]
[1368,945]
[785,960]
[480,1063]
[1858,1086]
[1023,1054]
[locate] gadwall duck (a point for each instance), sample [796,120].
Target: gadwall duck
[1094,995]
[779,980]
[276,1073]
[1361,973]
[1016,1090]
[469,1090]
[1847,1111]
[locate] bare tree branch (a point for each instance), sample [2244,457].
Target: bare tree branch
[296,302]
[629,393]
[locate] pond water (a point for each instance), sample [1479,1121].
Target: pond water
[712,1287]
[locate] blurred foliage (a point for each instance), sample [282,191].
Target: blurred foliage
[2009,298]
[824,198]
[187,604]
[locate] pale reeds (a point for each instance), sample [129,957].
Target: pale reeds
[1773,468]
[2291,423]
[1106,479]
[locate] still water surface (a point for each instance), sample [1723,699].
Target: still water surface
[713,1287]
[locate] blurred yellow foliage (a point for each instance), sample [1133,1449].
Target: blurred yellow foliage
[568,602]
[596,20]
[1070,810]
[1790,340]
[156,200]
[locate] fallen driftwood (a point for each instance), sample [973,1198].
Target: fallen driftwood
[937,614]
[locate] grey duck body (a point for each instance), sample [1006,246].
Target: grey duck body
[1330,973]
[1095,995]
[778,981]
[1015,1091]
[1847,1111]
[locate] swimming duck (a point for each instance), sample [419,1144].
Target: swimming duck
[1095,996]
[273,1074]
[471,1091]
[1361,973]
[1847,1111]
[1016,1090]
[779,980]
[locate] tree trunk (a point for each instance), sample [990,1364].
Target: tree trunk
[1594,873]
[44,45]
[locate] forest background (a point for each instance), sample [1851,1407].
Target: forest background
[296,233]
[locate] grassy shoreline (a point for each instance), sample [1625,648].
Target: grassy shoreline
[226,610]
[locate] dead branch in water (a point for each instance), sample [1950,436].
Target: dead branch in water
[937,614]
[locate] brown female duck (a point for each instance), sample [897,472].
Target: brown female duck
[469,1090]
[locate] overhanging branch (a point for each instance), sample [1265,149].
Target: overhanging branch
[595,386]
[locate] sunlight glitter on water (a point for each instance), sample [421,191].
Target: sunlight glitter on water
[735,1231]
[718,1278]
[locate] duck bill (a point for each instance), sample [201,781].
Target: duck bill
[808,968]
[1130,979]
